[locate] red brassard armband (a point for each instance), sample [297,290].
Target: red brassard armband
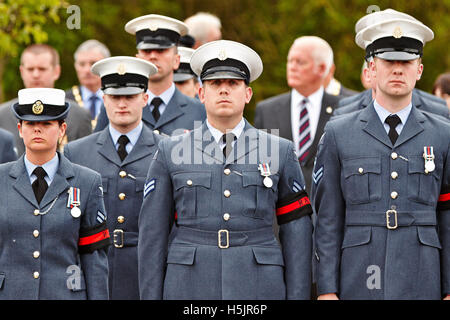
[293,207]
[444,199]
[94,238]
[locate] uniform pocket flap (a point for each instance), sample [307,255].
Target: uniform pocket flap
[266,255]
[192,179]
[361,166]
[417,165]
[252,178]
[181,255]
[2,279]
[429,237]
[356,236]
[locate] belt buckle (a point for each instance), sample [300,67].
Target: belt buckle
[388,219]
[116,234]
[219,238]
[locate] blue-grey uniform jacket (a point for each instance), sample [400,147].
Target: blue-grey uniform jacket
[222,245]
[45,252]
[123,182]
[7,150]
[383,221]
[182,113]
[420,99]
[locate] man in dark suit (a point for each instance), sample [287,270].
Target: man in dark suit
[168,109]
[40,68]
[308,64]
[88,93]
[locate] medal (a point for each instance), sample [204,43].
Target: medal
[428,155]
[75,212]
[265,172]
[73,202]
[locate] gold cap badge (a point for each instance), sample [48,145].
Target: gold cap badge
[398,33]
[38,107]
[121,69]
[222,55]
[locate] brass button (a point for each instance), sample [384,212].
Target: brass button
[329,109]
[36,212]
[156,131]
[227,171]
[121,219]
[394,175]
[189,182]
[36,254]
[361,170]
[227,193]
[35,233]
[394,194]
[394,155]
[36,275]
[122,174]
[226,216]
[122,196]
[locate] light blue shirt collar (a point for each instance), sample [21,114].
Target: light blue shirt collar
[166,96]
[50,168]
[217,134]
[383,114]
[86,94]
[132,135]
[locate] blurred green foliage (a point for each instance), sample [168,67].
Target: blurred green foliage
[268,26]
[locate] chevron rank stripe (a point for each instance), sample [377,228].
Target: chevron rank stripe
[149,187]
[317,175]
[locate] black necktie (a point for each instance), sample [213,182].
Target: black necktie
[393,120]
[228,140]
[156,102]
[122,151]
[92,101]
[39,185]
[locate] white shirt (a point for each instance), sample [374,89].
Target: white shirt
[217,134]
[314,107]
[402,114]
[165,97]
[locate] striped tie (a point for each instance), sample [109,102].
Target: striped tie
[304,132]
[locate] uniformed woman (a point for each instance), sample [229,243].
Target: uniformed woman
[52,218]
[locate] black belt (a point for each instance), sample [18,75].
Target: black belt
[224,238]
[124,239]
[390,219]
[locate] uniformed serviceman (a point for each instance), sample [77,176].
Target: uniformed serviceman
[223,190]
[185,79]
[168,110]
[382,183]
[121,153]
[52,217]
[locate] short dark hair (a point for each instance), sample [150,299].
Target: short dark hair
[40,48]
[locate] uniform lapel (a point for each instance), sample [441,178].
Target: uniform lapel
[147,116]
[106,147]
[412,127]
[142,147]
[59,183]
[22,183]
[373,125]
[205,143]
[173,110]
[247,142]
